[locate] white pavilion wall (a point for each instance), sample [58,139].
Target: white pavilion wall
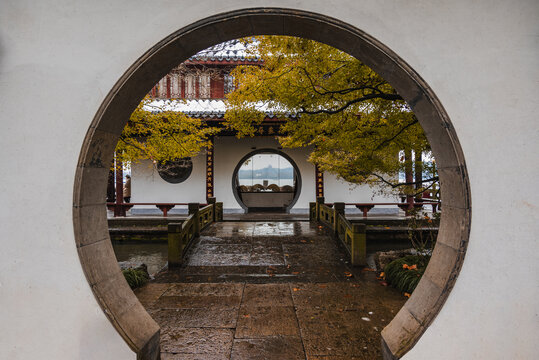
[148,187]
[230,150]
[338,190]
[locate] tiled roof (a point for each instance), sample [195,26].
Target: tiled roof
[233,50]
[207,109]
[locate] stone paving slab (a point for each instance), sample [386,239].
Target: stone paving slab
[332,323]
[205,248]
[222,260]
[205,239]
[266,295]
[346,357]
[269,348]
[206,317]
[204,289]
[149,294]
[257,322]
[266,260]
[171,356]
[340,346]
[330,295]
[265,290]
[189,302]
[204,341]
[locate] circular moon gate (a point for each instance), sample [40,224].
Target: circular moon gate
[89,214]
[235,183]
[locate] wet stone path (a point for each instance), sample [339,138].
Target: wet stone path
[269,290]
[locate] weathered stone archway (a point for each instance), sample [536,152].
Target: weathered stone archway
[97,257]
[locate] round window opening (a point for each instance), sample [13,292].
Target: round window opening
[175,171]
[266,180]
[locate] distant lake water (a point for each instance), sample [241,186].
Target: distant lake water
[280,182]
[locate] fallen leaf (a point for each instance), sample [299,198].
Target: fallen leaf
[382,274]
[368,269]
[303,241]
[246,315]
[296,289]
[295,272]
[347,274]
[406,294]
[322,286]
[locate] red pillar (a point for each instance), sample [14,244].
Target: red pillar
[217,88]
[118,209]
[182,86]
[111,192]
[168,87]
[209,171]
[319,176]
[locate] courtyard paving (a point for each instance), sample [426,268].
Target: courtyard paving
[269,290]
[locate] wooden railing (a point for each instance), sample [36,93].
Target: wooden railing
[407,207]
[352,235]
[181,235]
[120,209]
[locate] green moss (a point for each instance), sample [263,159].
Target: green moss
[136,277]
[398,274]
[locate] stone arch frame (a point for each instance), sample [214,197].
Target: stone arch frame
[97,257]
[266,151]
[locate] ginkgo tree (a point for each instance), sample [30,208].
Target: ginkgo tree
[357,125]
[161,135]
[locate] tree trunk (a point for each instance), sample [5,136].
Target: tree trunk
[418,170]
[408,171]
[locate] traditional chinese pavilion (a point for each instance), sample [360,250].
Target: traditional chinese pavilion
[248,174]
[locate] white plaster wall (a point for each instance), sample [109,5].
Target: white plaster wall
[59,58]
[147,186]
[229,151]
[338,190]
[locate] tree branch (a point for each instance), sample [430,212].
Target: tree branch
[396,185]
[395,136]
[341,91]
[350,103]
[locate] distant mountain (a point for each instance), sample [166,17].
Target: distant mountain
[268,172]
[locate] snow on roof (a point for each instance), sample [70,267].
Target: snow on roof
[205,108]
[228,50]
